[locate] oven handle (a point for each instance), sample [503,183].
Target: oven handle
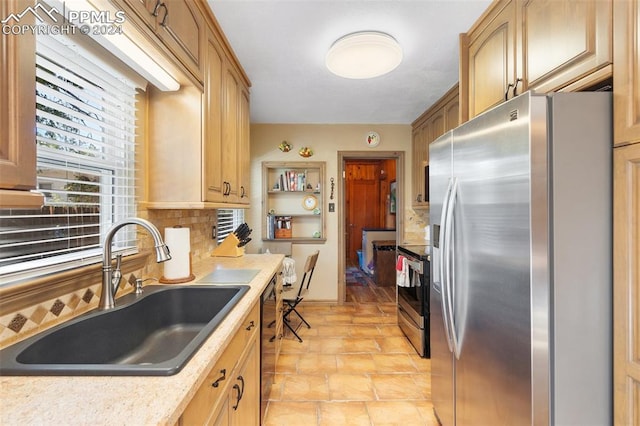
[441,265]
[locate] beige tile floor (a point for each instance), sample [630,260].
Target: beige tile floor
[354,367]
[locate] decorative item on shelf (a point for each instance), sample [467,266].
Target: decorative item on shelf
[316,211]
[305,152]
[316,234]
[285,146]
[283,227]
[309,202]
[178,269]
[372,140]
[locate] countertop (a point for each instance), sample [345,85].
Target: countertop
[132,400]
[421,251]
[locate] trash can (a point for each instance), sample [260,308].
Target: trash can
[384,260]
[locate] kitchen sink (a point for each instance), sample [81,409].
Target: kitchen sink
[151,334]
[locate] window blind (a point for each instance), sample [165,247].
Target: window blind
[85,136]
[228,221]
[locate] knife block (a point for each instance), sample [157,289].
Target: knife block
[228,248]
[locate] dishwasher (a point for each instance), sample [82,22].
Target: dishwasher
[268,311]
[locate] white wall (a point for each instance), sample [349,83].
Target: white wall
[326,141]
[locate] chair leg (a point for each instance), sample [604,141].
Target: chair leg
[301,317]
[293,331]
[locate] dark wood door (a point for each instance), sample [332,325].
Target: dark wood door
[363,202]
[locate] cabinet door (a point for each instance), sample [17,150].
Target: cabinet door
[229,166]
[214,186]
[626,284]
[491,56]
[244,142]
[564,41]
[245,398]
[452,114]
[18,114]
[181,26]
[420,152]
[626,72]
[143,8]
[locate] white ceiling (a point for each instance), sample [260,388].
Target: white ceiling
[282,44]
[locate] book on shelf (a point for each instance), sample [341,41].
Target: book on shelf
[292,180]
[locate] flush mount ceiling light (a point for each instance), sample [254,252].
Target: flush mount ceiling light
[365,54]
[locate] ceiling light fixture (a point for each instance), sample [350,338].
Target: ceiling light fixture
[364,54]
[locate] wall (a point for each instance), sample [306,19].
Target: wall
[325,140]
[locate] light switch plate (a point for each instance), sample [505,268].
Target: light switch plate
[332,207]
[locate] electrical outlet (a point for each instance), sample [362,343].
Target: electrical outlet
[332,207]
[214,232]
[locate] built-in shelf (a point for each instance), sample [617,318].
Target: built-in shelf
[293,205]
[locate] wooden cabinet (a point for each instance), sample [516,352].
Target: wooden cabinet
[293,201]
[433,123]
[230,395]
[18,114]
[626,73]
[179,24]
[209,130]
[626,284]
[541,45]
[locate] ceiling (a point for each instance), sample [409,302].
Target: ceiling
[282,45]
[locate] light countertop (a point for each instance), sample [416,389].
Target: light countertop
[132,400]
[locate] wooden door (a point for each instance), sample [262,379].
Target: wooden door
[213,187]
[626,285]
[362,197]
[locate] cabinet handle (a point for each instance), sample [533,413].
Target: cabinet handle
[251,325]
[242,192]
[156,7]
[419,198]
[163,23]
[515,87]
[237,388]
[221,378]
[506,93]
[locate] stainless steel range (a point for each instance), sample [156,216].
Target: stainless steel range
[413,297]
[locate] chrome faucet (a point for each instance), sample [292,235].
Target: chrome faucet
[111,278]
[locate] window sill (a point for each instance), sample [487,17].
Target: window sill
[33,292]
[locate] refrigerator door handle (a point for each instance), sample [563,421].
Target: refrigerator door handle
[443,273]
[449,264]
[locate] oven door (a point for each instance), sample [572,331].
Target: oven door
[414,297]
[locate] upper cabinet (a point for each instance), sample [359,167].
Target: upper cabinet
[626,73]
[541,45]
[18,115]
[179,25]
[208,130]
[433,123]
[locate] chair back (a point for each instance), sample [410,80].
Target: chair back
[309,266]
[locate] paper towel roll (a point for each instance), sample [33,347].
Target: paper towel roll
[178,269]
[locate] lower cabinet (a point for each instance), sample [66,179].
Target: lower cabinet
[230,395]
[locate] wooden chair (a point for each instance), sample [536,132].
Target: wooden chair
[294,300]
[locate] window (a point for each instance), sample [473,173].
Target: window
[228,221]
[85,134]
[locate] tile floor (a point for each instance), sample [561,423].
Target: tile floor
[354,367]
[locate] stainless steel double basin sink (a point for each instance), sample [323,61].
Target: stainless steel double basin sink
[152,334]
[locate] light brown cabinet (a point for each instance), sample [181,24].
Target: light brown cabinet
[18,114]
[626,284]
[180,26]
[433,123]
[541,45]
[626,73]
[208,129]
[230,395]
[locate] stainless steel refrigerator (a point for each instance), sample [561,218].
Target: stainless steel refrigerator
[521,276]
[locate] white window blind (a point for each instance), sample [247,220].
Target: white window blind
[228,221]
[85,134]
